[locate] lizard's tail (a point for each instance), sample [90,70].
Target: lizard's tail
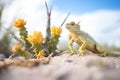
[112,54]
[106,53]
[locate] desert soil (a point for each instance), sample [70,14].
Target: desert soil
[63,67]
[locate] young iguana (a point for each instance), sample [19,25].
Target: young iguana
[85,41]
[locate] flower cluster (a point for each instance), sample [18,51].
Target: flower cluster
[56,30]
[35,37]
[16,48]
[19,23]
[34,41]
[41,54]
[54,40]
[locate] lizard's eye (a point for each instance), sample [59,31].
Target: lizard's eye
[72,23]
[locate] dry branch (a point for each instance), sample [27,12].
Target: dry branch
[19,41]
[48,32]
[65,19]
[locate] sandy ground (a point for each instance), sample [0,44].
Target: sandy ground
[66,67]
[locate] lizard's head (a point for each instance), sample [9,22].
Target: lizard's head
[73,27]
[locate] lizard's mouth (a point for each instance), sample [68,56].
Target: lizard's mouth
[67,27]
[73,30]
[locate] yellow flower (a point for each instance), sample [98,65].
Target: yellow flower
[35,37]
[56,30]
[19,23]
[41,54]
[16,48]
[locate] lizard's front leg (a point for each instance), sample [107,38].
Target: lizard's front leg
[70,45]
[82,47]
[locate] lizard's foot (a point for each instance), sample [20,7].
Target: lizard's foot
[103,54]
[81,52]
[71,53]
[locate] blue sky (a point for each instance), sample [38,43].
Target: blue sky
[83,6]
[99,18]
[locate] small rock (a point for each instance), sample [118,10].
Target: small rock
[68,61]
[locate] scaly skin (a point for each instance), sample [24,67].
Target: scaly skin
[84,40]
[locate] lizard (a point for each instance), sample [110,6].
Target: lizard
[85,41]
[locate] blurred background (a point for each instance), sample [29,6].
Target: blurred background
[100,19]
